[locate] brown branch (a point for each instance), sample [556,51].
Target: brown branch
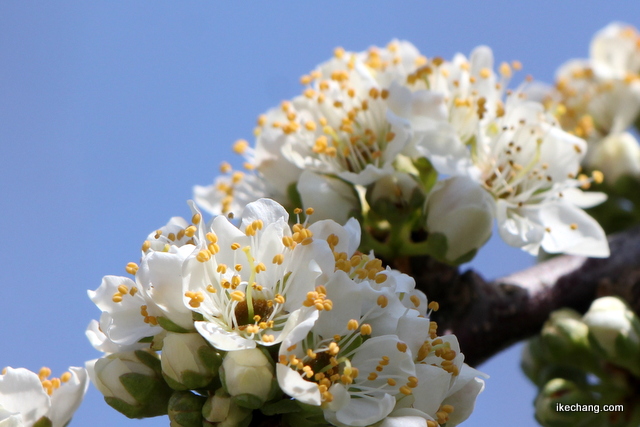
[488,317]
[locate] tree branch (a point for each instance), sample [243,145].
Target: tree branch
[488,317]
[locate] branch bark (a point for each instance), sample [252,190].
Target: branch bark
[488,317]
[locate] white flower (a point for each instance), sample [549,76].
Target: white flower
[617,155]
[26,397]
[615,51]
[251,284]
[350,361]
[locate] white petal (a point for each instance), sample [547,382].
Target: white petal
[66,399]
[588,239]
[222,339]
[330,198]
[292,384]
[21,392]
[366,410]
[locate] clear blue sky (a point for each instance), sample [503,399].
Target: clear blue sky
[111,111]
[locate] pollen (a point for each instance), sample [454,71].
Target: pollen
[237,296]
[240,146]
[132,268]
[365,329]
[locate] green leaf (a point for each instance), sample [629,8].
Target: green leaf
[43,422]
[211,358]
[149,359]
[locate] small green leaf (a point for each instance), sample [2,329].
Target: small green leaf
[248,401]
[169,325]
[284,406]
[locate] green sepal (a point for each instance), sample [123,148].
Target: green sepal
[43,422]
[146,340]
[308,416]
[168,325]
[197,317]
[211,359]
[427,173]
[437,246]
[185,409]
[152,394]
[284,406]
[190,380]
[248,401]
[150,360]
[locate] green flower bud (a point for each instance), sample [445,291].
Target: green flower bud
[185,409]
[562,403]
[188,361]
[221,410]
[615,328]
[248,376]
[565,339]
[132,383]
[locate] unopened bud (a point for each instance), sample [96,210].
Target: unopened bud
[248,376]
[554,402]
[185,409]
[616,155]
[188,361]
[459,219]
[222,411]
[132,383]
[395,196]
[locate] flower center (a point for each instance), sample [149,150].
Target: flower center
[261,310]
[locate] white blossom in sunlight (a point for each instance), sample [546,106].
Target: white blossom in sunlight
[615,51]
[251,283]
[26,397]
[131,307]
[617,155]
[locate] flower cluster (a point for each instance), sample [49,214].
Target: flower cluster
[291,320]
[589,360]
[28,399]
[428,153]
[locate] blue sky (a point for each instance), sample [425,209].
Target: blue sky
[111,111]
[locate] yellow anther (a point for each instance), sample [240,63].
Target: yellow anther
[380,278]
[574,226]
[132,268]
[288,242]
[203,256]
[133,291]
[505,70]
[391,382]
[195,219]
[237,296]
[146,245]
[311,354]
[415,300]
[123,289]
[235,246]
[374,93]
[117,297]
[213,248]
[65,377]
[433,305]
[190,231]
[235,281]
[338,52]
[598,177]
[260,267]
[222,268]
[211,237]
[238,267]
[447,408]
[517,65]
[352,325]
[44,373]
[240,146]
[372,376]
[405,390]
[268,338]
[278,259]
[365,329]
[211,289]
[401,347]
[279,299]
[382,301]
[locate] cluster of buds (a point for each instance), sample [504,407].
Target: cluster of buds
[223,324]
[427,152]
[587,360]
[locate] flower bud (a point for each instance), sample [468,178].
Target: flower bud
[615,328]
[248,376]
[395,196]
[566,338]
[185,409]
[459,219]
[554,402]
[188,361]
[617,155]
[132,383]
[222,411]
